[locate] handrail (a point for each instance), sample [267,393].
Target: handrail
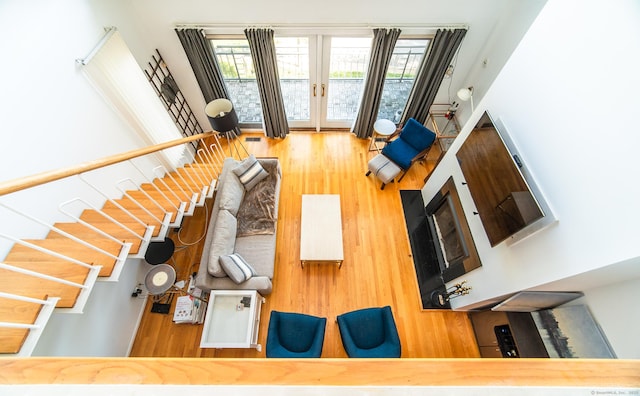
[26,182]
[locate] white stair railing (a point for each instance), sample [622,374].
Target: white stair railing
[36,328]
[179,210]
[191,200]
[185,184]
[144,239]
[85,288]
[164,222]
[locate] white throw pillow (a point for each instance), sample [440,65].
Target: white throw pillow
[250,172]
[237,268]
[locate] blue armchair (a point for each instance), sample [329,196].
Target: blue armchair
[413,143]
[370,333]
[402,148]
[294,335]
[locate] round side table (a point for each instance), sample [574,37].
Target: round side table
[382,128]
[160,251]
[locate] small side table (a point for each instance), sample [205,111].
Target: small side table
[160,252]
[232,320]
[382,128]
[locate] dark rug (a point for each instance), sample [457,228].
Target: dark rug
[423,251]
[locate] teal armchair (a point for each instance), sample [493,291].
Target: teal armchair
[370,333]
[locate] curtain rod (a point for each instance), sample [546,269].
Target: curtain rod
[319,26]
[109,31]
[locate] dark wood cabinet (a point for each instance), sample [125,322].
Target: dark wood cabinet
[517,329]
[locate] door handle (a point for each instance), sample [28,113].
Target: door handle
[314,89]
[322,90]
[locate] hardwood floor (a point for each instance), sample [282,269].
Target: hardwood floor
[377,270]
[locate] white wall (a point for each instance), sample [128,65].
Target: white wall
[565,98]
[51,117]
[108,325]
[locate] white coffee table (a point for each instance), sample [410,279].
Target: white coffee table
[232,320]
[321,229]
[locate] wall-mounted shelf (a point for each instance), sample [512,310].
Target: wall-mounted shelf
[169,93]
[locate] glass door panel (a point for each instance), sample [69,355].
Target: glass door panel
[294,59]
[345,61]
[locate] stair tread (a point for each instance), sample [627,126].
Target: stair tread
[169,203]
[69,248]
[185,176]
[95,218]
[16,311]
[55,267]
[30,286]
[83,232]
[121,215]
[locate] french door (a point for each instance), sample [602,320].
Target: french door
[335,74]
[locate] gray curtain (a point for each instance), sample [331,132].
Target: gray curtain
[381,50]
[432,70]
[203,62]
[263,54]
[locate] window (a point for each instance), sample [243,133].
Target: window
[321,84]
[234,59]
[401,74]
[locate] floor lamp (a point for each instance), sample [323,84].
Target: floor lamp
[223,118]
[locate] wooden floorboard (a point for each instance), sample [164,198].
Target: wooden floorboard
[377,271]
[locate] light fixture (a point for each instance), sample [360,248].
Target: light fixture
[222,116]
[223,119]
[466,94]
[160,279]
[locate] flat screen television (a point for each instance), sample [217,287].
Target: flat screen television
[506,197]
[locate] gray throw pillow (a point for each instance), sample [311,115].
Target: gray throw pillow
[237,268]
[250,172]
[223,242]
[231,194]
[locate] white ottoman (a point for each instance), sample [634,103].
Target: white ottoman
[383,169]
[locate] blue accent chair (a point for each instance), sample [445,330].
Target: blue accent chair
[413,143]
[295,335]
[370,333]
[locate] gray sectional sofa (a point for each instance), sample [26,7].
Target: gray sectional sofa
[243,222]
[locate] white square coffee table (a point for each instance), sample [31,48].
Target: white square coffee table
[232,320]
[321,229]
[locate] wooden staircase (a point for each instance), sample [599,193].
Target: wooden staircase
[60,270]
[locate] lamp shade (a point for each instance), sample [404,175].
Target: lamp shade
[465,94]
[160,279]
[221,114]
